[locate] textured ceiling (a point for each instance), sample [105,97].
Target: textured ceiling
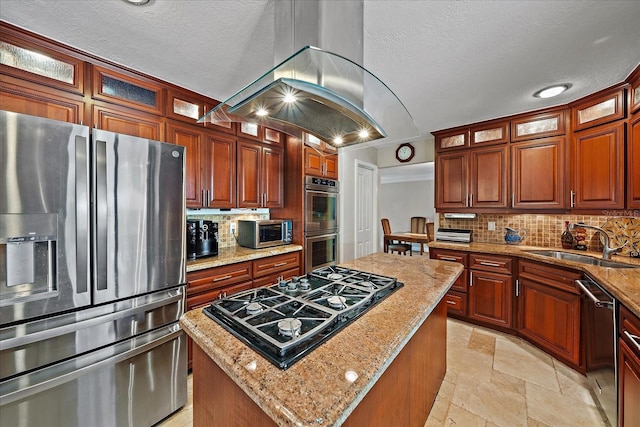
[449,62]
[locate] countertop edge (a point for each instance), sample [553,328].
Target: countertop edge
[236,254]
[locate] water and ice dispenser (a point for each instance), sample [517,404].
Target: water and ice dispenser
[27,256]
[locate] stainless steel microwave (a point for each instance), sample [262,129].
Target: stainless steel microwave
[263,233]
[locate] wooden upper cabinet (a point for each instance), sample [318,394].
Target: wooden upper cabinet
[602,107]
[32,59]
[634,90]
[489,177]
[633,163]
[452,139]
[260,172]
[489,133]
[538,125]
[210,170]
[188,107]
[597,160]
[452,176]
[126,121]
[260,133]
[538,175]
[184,106]
[193,140]
[220,170]
[127,90]
[317,163]
[44,102]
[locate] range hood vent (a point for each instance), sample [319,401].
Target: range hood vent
[323,94]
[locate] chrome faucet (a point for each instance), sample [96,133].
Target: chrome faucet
[606,250]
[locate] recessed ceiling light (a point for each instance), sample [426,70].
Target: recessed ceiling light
[137,2]
[261,112]
[551,91]
[337,140]
[363,134]
[289,97]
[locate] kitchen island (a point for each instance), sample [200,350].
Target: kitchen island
[385,368]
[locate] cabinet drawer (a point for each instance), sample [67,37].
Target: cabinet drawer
[456,303]
[453,256]
[218,277]
[265,266]
[272,279]
[496,264]
[630,329]
[556,277]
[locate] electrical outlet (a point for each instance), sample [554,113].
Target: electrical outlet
[232,228]
[491,226]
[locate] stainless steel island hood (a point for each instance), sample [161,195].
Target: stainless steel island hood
[323,94]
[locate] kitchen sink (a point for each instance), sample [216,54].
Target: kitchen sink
[584,259]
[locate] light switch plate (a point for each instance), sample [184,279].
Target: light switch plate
[232,228]
[491,226]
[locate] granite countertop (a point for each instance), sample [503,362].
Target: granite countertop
[315,387]
[233,254]
[622,283]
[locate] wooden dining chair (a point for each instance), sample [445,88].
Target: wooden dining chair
[418,226]
[393,245]
[430,231]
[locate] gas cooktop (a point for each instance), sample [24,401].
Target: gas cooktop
[287,320]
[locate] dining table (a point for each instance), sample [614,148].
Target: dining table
[408,237]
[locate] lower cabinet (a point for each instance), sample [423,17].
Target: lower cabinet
[549,309]
[491,290]
[456,298]
[204,286]
[628,369]
[490,297]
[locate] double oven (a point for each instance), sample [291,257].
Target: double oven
[320,222]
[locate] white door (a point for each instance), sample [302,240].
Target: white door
[365,210]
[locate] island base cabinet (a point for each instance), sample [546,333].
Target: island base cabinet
[403,396]
[629,387]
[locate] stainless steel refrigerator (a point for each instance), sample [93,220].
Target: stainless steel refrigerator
[92,276]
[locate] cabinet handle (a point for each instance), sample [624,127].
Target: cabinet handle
[448,258]
[280,264]
[204,202]
[489,264]
[517,287]
[217,279]
[451,302]
[573,195]
[513,200]
[633,339]
[471,200]
[466,201]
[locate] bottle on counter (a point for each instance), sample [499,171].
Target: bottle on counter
[581,238]
[566,238]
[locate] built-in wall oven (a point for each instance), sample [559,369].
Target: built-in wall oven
[320,222]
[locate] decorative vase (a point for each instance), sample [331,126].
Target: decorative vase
[566,238]
[581,238]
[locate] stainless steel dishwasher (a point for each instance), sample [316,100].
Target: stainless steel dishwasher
[599,316]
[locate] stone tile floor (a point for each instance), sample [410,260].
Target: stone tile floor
[493,379]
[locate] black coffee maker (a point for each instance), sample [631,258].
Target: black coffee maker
[202,238]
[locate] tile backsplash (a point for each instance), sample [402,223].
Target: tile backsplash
[225,239]
[541,230]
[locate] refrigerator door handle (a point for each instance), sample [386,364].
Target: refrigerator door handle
[173,332]
[101,217]
[46,334]
[82,214]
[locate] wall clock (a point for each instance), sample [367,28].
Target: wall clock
[405,152]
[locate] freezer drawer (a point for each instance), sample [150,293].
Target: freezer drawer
[134,383]
[35,344]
